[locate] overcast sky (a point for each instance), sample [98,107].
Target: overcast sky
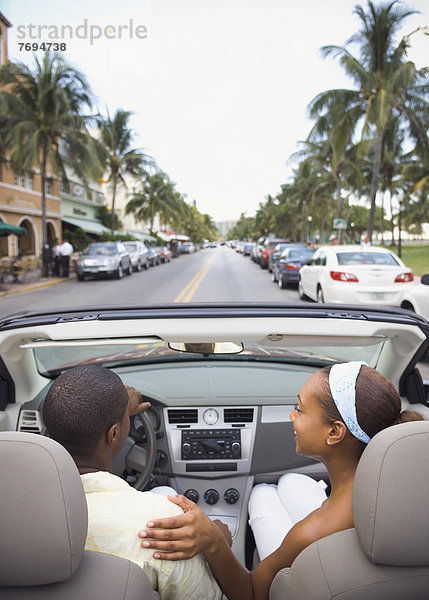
[218,88]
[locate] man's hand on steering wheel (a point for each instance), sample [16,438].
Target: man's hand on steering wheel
[137,407]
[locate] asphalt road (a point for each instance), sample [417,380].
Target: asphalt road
[211,275]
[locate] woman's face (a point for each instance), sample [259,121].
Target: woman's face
[310,431]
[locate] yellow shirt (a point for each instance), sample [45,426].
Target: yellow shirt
[116,512]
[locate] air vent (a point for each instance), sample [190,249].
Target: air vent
[238,415]
[30,421]
[181,415]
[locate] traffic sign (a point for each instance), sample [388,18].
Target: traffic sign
[340,224]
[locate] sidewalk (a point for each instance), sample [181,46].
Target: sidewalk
[33,281]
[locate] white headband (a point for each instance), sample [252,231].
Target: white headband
[342,381]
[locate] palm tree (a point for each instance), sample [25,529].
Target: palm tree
[387,84]
[157,197]
[41,120]
[117,155]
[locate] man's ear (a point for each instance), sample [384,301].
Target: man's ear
[337,432]
[113,434]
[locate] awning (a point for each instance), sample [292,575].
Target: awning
[144,237]
[87,225]
[168,237]
[6,229]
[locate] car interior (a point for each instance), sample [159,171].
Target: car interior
[222,383]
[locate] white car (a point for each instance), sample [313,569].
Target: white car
[355,275]
[138,254]
[416,298]
[222,382]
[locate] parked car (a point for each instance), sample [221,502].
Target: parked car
[138,254]
[153,256]
[416,298]
[277,252]
[355,275]
[187,248]
[247,248]
[267,249]
[165,254]
[242,401]
[256,252]
[104,258]
[286,269]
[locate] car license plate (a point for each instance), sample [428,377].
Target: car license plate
[377,296]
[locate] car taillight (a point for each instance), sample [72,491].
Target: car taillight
[292,267]
[404,277]
[339,276]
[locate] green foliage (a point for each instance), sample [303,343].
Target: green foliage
[103,214]
[117,155]
[108,236]
[43,122]
[78,238]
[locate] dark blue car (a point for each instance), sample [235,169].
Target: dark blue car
[286,269]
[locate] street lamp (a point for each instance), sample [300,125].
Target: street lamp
[352,226]
[400,228]
[309,219]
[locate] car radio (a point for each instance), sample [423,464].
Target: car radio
[204,444]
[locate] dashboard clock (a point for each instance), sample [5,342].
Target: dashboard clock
[210,416]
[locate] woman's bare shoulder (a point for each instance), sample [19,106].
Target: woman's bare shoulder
[318,524]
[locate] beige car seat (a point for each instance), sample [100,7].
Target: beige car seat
[43,527]
[386,555]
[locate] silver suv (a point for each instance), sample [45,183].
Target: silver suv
[138,254]
[104,258]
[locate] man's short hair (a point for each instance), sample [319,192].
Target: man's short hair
[81,405]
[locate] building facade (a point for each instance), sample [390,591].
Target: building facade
[21,195]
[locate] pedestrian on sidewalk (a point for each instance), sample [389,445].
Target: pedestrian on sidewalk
[65,250]
[57,259]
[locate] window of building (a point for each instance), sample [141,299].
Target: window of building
[65,187]
[78,191]
[48,186]
[24,180]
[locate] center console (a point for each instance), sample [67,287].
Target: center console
[211,453]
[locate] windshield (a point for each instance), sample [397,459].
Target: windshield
[299,254]
[366,258]
[52,360]
[130,246]
[101,249]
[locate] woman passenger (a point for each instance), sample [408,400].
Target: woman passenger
[339,409]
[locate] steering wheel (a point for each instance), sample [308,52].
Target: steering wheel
[137,456]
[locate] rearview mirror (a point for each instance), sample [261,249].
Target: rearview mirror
[207,348]
[425,279]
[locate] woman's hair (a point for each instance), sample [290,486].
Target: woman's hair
[81,405]
[378,404]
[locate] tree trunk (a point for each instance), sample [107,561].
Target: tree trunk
[392,225]
[374,181]
[44,224]
[339,204]
[112,216]
[382,219]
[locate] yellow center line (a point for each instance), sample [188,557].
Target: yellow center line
[190,289]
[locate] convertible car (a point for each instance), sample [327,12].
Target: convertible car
[222,381]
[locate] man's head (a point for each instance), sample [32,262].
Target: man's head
[85,406]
